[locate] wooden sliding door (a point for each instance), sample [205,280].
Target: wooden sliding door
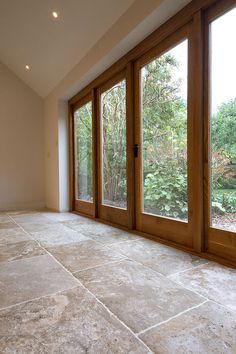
[220,130]
[164,139]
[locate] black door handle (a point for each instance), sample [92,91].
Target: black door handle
[135,148]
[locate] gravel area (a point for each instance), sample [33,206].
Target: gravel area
[225,222]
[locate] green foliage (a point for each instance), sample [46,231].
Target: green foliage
[223,137]
[83,127]
[164,144]
[223,202]
[222,173]
[224,129]
[164,114]
[114,144]
[165,190]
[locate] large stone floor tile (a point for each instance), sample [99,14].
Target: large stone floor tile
[41,226]
[77,224]
[207,329]
[60,235]
[61,217]
[4,218]
[105,233]
[216,282]
[30,278]
[82,255]
[161,258]
[7,225]
[68,322]
[14,251]
[21,212]
[136,294]
[29,218]
[13,236]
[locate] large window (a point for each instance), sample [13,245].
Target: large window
[83,152]
[223,121]
[164,134]
[154,136]
[113,122]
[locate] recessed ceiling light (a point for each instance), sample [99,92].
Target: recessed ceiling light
[27,67]
[55,14]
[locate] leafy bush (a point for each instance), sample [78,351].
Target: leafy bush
[223,130]
[223,202]
[221,171]
[165,190]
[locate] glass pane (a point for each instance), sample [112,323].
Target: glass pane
[164,134]
[83,152]
[113,114]
[223,122]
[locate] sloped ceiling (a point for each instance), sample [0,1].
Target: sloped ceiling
[30,36]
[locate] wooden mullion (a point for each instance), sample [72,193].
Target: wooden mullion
[71,159]
[217,242]
[129,147]
[197,59]
[95,152]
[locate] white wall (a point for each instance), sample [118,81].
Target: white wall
[22,168]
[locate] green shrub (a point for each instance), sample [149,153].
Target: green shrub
[165,190]
[223,202]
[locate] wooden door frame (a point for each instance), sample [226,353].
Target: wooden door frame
[219,242]
[153,224]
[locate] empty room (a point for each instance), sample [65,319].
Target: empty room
[118,176]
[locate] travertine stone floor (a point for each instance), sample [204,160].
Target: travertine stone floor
[72,285]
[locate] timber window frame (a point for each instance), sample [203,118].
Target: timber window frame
[211,244]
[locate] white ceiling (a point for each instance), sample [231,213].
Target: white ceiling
[29,35]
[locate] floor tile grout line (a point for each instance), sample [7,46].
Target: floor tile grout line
[83,233]
[175,281]
[205,297]
[21,259]
[130,240]
[105,244]
[139,262]
[37,298]
[163,276]
[167,276]
[27,233]
[98,266]
[45,248]
[93,295]
[222,305]
[171,318]
[103,305]
[148,267]
[189,288]
[118,243]
[188,269]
